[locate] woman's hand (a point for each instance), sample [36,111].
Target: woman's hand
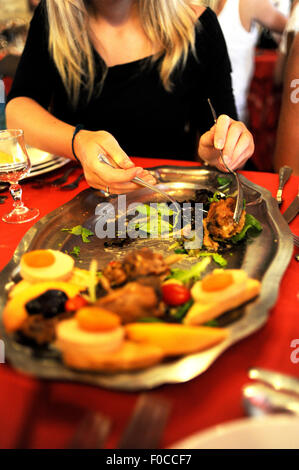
[232,137]
[88,145]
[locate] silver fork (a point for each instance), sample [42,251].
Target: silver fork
[296,240]
[103,158]
[91,432]
[147,423]
[239,203]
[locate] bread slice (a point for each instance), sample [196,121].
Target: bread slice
[201,313]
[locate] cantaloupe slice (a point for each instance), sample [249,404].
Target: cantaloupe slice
[130,356]
[15,313]
[201,312]
[175,339]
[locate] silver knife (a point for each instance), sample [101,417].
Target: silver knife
[284,174]
[292,210]
[276,380]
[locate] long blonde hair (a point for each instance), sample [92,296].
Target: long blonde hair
[169,25]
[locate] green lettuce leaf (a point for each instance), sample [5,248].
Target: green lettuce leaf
[252,227]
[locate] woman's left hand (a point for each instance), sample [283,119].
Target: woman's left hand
[230,136]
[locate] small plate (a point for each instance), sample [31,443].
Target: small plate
[267,432]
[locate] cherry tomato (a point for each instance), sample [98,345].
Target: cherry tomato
[72,305]
[175,294]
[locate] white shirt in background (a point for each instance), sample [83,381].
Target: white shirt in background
[241,50]
[292,25]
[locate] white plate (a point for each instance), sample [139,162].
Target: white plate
[38,157]
[267,432]
[47,168]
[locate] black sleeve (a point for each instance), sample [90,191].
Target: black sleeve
[216,68]
[35,73]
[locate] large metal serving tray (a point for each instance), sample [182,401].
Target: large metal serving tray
[266,258]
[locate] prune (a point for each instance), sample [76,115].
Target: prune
[49,304]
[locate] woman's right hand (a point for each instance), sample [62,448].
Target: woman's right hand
[89,144]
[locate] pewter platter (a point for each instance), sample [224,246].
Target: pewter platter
[266,258]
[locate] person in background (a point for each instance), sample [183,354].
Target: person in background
[32,4]
[287,143]
[291,29]
[137,75]
[239,20]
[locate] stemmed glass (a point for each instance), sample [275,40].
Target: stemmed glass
[14,165]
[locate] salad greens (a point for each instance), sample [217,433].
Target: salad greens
[194,273]
[251,227]
[180,312]
[78,230]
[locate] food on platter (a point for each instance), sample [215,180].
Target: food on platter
[175,339]
[94,339]
[232,286]
[26,303]
[46,265]
[137,312]
[130,356]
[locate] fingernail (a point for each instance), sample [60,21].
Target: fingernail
[128,163]
[219,144]
[139,171]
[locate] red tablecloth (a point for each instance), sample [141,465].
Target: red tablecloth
[54,409]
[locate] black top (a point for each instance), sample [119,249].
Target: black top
[133,106]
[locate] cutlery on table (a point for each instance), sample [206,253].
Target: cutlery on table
[147,424]
[293,209]
[91,433]
[275,379]
[259,399]
[284,174]
[4,187]
[141,182]
[63,179]
[40,182]
[239,203]
[296,241]
[73,185]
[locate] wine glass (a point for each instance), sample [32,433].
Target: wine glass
[14,165]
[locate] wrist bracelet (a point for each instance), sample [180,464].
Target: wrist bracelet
[78,128]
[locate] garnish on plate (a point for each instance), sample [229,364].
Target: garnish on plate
[78,230]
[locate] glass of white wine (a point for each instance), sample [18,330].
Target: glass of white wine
[14,165]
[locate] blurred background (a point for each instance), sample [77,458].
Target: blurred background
[264,96]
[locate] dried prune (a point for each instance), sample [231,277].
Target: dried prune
[49,304]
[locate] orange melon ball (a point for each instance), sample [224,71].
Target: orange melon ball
[217,281]
[97,319]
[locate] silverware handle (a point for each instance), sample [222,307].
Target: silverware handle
[284,174]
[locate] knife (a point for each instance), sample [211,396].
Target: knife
[292,210]
[284,174]
[275,379]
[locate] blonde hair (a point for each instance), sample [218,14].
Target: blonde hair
[168,24]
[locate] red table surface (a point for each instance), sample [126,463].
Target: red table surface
[54,409]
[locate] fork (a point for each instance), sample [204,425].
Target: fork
[147,424]
[239,203]
[91,432]
[296,240]
[103,158]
